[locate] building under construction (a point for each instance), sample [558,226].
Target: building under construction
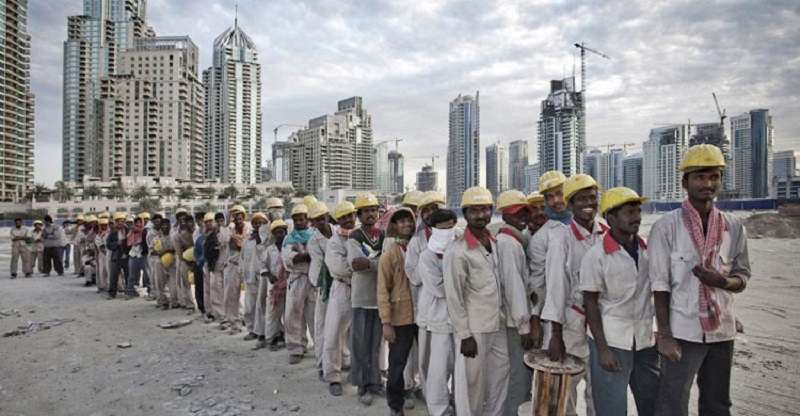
[561,129]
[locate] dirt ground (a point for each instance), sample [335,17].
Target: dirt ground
[77,368]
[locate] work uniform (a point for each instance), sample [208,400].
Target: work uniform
[316,249]
[626,308]
[76,239]
[420,358]
[537,257]
[215,274]
[167,284]
[253,255]
[271,297]
[706,354]
[154,261]
[512,271]
[339,314]
[52,236]
[102,260]
[300,299]
[563,300]
[181,243]
[475,303]
[20,250]
[88,255]
[37,250]
[233,276]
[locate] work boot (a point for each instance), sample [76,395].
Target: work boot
[27,275]
[260,344]
[377,390]
[408,402]
[13,275]
[364,396]
[250,336]
[295,359]
[335,389]
[393,412]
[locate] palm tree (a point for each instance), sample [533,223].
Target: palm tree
[168,192]
[140,193]
[260,205]
[208,192]
[230,192]
[253,192]
[149,205]
[116,191]
[63,191]
[187,192]
[38,192]
[92,192]
[205,207]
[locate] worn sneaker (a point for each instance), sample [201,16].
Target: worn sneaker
[260,344]
[250,336]
[14,276]
[393,412]
[335,389]
[295,359]
[408,402]
[377,390]
[365,399]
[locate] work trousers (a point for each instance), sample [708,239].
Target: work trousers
[638,369]
[216,293]
[263,307]
[20,251]
[199,287]
[320,308]
[102,270]
[52,260]
[250,300]
[65,255]
[338,321]
[440,372]
[167,287]
[183,285]
[482,381]
[231,297]
[77,265]
[156,275]
[711,363]
[137,266]
[207,308]
[520,376]
[365,341]
[117,267]
[299,316]
[37,259]
[399,351]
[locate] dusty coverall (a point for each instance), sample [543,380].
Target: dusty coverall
[300,299]
[316,248]
[339,316]
[20,250]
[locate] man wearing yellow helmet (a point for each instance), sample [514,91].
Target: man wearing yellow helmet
[619,310]
[234,240]
[253,257]
[300,295]
[153,257]
[213,265]
[271,302]
[118,263]
[181,237]
[339,315]
[698,261]
[166,281]
[538,216]
[319,275]
[37,246]
[75,239]
[89,250]
[102,254]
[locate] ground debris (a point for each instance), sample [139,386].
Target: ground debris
[124,345]
[220,406]
[35,326]
[174,324]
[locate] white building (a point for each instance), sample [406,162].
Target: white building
[496,168]
[383,182]
[517,160]
[661,177]
[561,132]
[233,109]
[463,148]
[532,174]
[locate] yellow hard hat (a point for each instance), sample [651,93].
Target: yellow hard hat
[550,180]
[120,216]
[188,254]
[103,214]
[237,209]
[299,209]
[277,224]
[477,195]
[259,216]
[144,215]
[38,222]
[130,218]
[344,208]
[91,218]
[157,244]
[413,198]
[615,197]
[79,218]
[511,200]
[309,200]
[702,156]
[577,183]
[366,200]
[208,217]
[317,210]
[190,277]
[274,202]
[102,221]
[431,197]
[167,259]
[181,210]
[535,198]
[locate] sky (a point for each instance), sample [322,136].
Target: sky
[408,59]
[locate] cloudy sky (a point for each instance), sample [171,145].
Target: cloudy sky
[409,58]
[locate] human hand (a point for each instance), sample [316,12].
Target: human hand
[360,264]
[668,347]
[556,351]
[388,333]
[608,360]
[537,333]
[469,348]
[709,276]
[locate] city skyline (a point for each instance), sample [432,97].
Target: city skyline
[408,90]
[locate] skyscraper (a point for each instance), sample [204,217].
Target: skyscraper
[396,172]
[752,144]
[233,109]
[591,162]
[463,148]
[517,160]
[383,181]
[532,174]
[632,172]
[714,134]
[561,130]
[359,136]
[661,177]
[784,164]
[496,168]
[16,102]
[427,179]
[149,115]
[610,169]
[95,40]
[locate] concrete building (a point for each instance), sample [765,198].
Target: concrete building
[591,161]
[661,177]
[150,113]
[611,169]
[396,172]
[496,168]
[714,134]
[752,143]
[380,156]
[463,148]
[283,157]
[233,109]
[95,41]
[427,179]
[16,102]
[632,172]
[359,137]
[784,164]
[517,160]
[532,174]
[787,188]
[561,129]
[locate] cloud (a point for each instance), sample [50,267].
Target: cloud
[408,59]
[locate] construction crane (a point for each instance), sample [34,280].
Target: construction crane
[582,46]
[279,126]
[624,146]
[722,115]
[396,143]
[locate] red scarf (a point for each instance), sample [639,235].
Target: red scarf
[707,245]
[135,236]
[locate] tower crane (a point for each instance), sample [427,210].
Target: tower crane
[279,126]
[582,46]
[722,115]
[396,143]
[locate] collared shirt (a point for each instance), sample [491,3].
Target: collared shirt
[417,244]
[271,264]
[472,287]
[395,306]
[364,283]
[296,270]
[537,257]
[316,249]
[336,259]
[672,257]
[565,251]
[513,266]
[253,258]
[432,296]
[625,298]
[20,232]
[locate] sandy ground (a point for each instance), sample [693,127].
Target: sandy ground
[77,368]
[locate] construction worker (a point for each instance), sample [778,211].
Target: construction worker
[37,246]
[181,237]
[137,252]
[166,283]
[88,250]
[439,331]
[275,208]
[215,254]
[396,306]
[513,269]
[20,236]
[75,240]
[102,253]
[318,274]
[698,261]
[153,257]
[52,240]
[206,225]
[363,253]
[476,306]
[429,202]
[616,290]
[116,244]
[147,274]
[538,216]
[200,289]
[271,292]
[253,255]
[300,294]
[339,314]
[239,229]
